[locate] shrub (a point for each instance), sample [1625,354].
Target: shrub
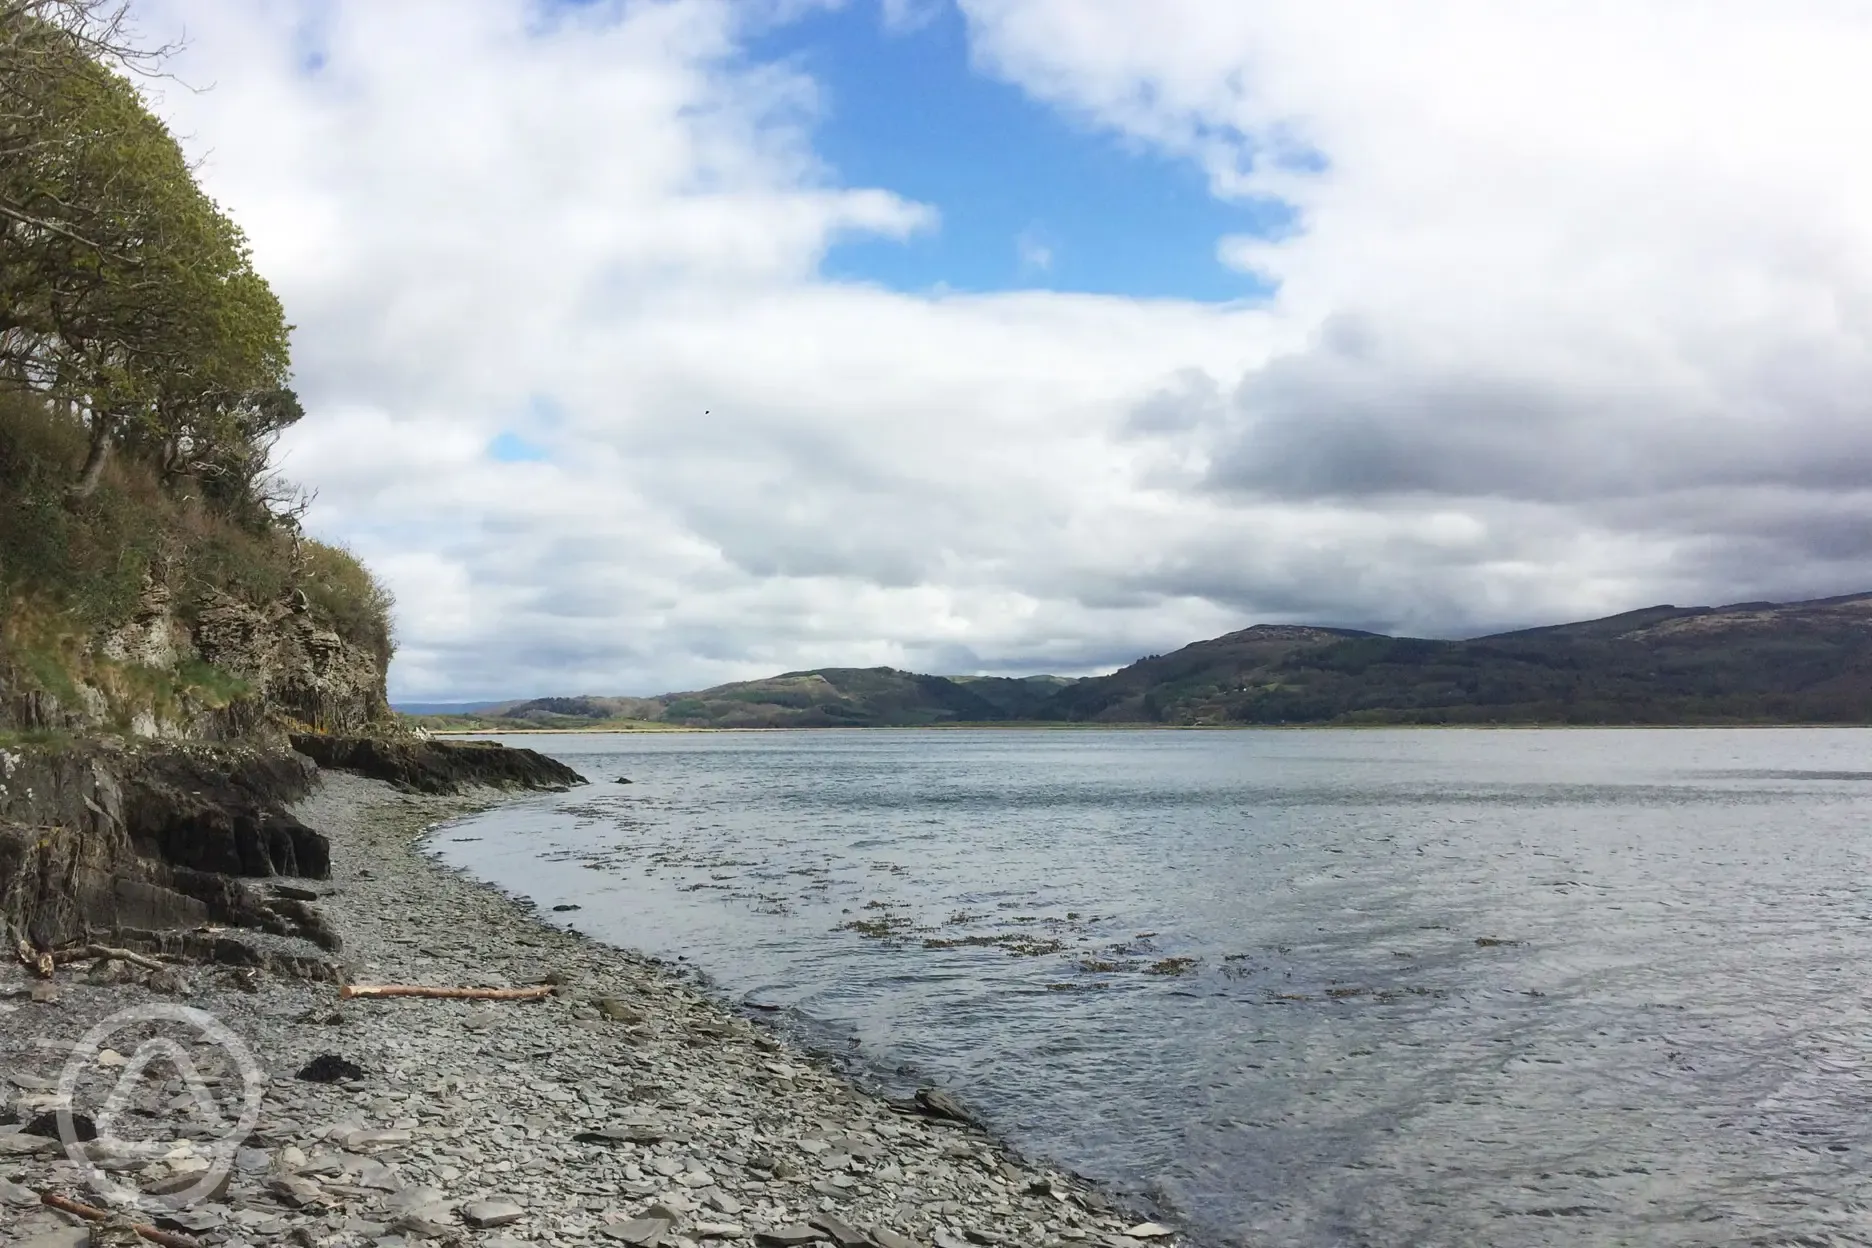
[85,565]
[342,589]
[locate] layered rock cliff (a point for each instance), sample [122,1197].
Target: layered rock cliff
[230,669]
[158,844]
[105,838]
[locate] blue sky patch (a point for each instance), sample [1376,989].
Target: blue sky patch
[510,448]
[1029,198]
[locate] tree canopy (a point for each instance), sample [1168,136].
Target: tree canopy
[126,294]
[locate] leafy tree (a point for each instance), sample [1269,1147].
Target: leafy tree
[125,293]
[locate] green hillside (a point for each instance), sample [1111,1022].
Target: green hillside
[832,697]
[1756,662]
[1015,697]
[1803,662]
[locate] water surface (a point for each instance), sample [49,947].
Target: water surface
[1303,987]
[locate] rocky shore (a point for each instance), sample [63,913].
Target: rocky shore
[623,1109]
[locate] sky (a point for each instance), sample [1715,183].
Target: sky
[652,344]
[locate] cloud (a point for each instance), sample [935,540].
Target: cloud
[1034,251]
[907,16]
[1602,262]
[1571,315]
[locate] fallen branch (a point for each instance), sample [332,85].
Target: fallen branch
[81,952]
[165,1238]
[469,994]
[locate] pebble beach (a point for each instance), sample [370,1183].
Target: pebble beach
[626,1107]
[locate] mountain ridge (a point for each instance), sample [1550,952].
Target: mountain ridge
[1748,662]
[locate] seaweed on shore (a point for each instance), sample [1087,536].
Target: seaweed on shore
[1017,945]
[886,925]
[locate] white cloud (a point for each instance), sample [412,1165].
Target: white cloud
[1575,319]
[902,17]
[1034,250]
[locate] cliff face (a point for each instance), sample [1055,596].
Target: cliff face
[293,668]
[157,844]
[110,838]
[236,669]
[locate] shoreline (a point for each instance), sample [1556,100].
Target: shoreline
[1050,726]
[627,1108]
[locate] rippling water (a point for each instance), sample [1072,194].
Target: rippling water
[1359,987]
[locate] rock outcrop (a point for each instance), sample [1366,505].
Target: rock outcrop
[105,838]
[293,669]
[234,669]
[437,766]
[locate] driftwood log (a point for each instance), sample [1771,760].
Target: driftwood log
[468,994]
[155,1236]
[80,953]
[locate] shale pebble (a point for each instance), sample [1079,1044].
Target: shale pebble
[488,1213]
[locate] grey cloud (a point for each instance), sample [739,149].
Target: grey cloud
[1189,400]
[1346,420]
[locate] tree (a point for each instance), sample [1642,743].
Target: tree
[125,293]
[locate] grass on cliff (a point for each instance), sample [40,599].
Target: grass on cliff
[74,570]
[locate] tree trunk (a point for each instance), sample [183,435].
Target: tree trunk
[102,427]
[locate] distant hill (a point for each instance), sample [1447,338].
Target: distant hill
[445,708]
[1752,662]
[832,697]
[1179,687]
[1016,697]
[1755,662]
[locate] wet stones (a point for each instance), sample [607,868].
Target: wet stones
[940,1104]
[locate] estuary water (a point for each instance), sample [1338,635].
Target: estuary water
[1298,987]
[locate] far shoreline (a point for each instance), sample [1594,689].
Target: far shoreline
[1047,726]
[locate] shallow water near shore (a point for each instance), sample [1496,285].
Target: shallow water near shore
[1467,987]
